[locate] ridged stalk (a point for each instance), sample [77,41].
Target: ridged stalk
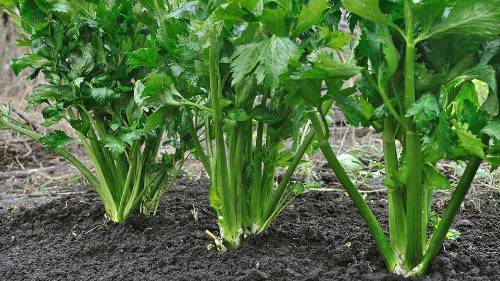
[381,241]
[414,166]
[396,203]
[456,200]
[220,177]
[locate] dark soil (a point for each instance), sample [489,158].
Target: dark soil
[25,154]
[320,237]
[31,175]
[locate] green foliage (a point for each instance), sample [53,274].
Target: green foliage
[248,86]
[310,15]
[267,60]
[368,9]
[56,140]
[468,18]
[90,54]
[439,103]
[235,62]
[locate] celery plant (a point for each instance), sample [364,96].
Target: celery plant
[429,83]
[228,82]
[88,54]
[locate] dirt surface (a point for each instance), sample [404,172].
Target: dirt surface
[31,175]
[320,237]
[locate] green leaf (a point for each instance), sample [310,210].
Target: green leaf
[82,63]
[42,95]
[234,11]
[145,57]
[276,21]
[131,135]
[205,30]
[31,13]
[443,134]
[263,114]
[30,60]
[307,90]
[52,115]
[159,90]
[103,95]
[490,51]
[56,140]
[350,163]
[469,141]
[183,11]
[268,60]
[492,129]
[245,60]
[391,54]
[310,15]
[367,9]
[475,117]
[325,66]
[470,18]
[453,234]
[138,92]
[275,60]
[424,111]
[493,157]
[115,145]
[434,178]
[356,109]
[238,114]
[82,126]
[336,40]
[156,119]
[427,12]
[486,74]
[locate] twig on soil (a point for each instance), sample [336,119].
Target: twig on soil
[20,164]
[24,172]
[50,194]
[343,190]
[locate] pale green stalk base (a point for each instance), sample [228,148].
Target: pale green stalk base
[106,183]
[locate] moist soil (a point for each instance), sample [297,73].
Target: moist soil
[31,175]
[319,237]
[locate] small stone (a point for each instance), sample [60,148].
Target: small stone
[313,275]
[254,275]
[464,223]
[374,276]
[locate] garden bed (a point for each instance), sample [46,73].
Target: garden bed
[320,237]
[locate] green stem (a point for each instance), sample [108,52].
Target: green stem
[255,196]
[127,187]
[456,200]
[381,241]
[239,163]
[269,169]
[158,14]
[138,182]
[229,229]
[416,234]
[396,203]
[279,200]
[198,149]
